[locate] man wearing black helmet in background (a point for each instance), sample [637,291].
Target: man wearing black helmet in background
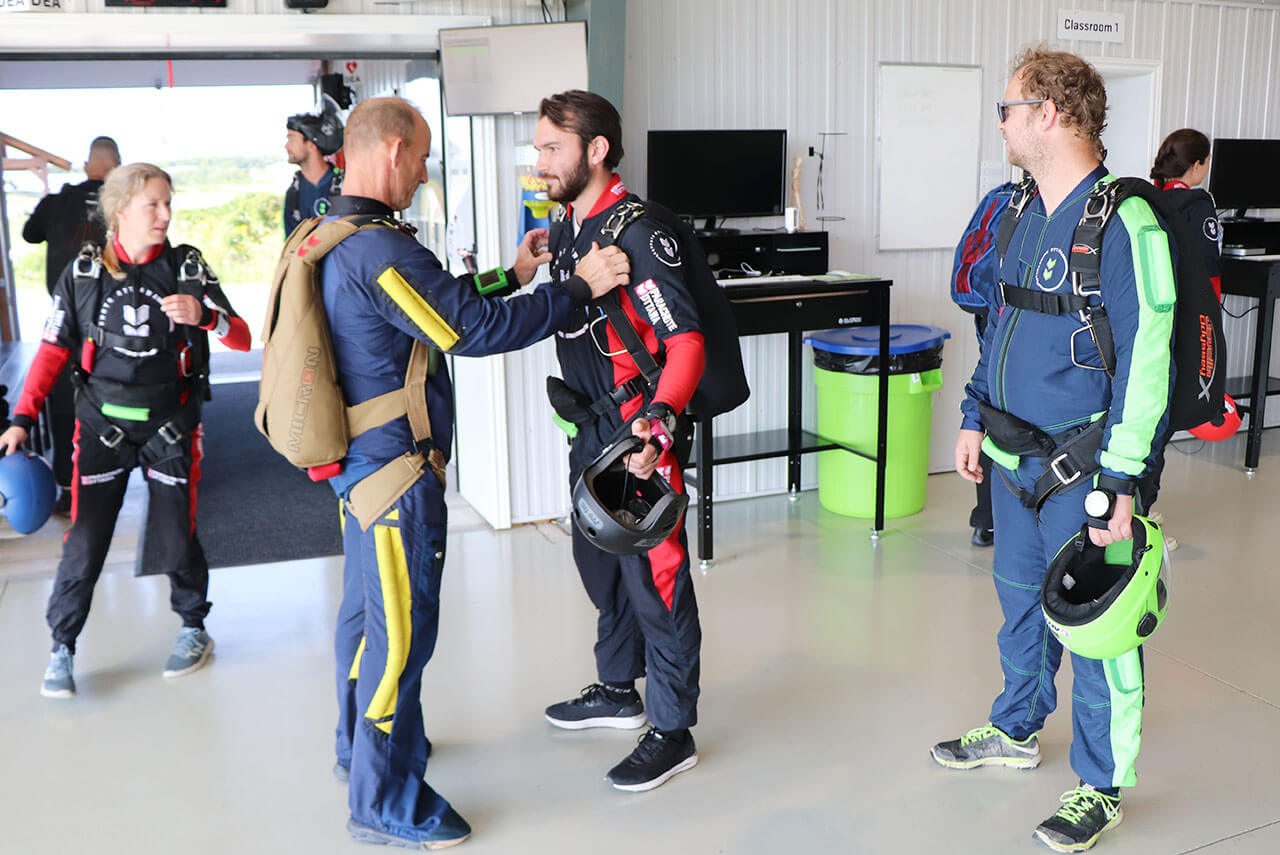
[648,616]
[310,139]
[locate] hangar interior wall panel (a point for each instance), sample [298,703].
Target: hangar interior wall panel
[809,66]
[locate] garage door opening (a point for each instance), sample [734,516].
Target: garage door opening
[224,147]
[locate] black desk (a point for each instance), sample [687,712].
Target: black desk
[1252,277]
[793,308]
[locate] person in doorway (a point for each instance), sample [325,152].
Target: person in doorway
[1031,382]
[383,292]
[308,141]
[133,317]
[648,616]
[65,221]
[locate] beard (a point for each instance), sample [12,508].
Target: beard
[572,185]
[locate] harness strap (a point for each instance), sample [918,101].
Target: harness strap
[618,396]
[617,222]
[649,368]
[110,434]
[1074,456]
[409,400]
[105,338]
[1022,196]
[373,495]
[1044,302]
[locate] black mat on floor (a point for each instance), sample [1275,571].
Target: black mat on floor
[253,506]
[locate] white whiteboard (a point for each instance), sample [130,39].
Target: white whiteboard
[930,122]
[510,69]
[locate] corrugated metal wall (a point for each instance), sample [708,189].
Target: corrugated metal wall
[502,11]
[810,66]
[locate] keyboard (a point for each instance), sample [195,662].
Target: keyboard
[746,280]
[833,276]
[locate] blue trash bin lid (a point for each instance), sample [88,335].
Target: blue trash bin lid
[865,341]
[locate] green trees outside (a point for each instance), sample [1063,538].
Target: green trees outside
[241,238]
[229,207]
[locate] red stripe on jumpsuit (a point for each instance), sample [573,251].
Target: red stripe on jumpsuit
[193,476]
[665,558]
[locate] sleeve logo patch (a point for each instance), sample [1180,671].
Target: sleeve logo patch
[53,324]
[1211,229]
[665,249]
[654,305]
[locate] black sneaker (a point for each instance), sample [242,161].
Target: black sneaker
[655,759]
[983,537]
[1084,815]
[599,706]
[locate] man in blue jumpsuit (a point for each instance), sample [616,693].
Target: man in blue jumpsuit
[1046,370]
[648,616]
[382,291]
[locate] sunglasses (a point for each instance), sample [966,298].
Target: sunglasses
[1002,107]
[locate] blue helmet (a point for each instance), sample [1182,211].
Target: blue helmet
[27,491]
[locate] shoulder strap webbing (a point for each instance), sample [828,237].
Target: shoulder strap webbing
[622,216]
[1022,196]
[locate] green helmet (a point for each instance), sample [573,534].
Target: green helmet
[1103,602]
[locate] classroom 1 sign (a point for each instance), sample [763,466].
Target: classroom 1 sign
[1088,26]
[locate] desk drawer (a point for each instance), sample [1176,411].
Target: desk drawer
[804,311]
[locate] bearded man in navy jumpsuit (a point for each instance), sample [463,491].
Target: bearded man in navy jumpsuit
[648,616]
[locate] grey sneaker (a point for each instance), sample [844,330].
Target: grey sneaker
[58,682]
[1084,815]
[190,652]
[988,746]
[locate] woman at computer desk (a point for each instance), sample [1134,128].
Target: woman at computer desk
[1181,164]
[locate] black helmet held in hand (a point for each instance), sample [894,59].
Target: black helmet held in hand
[620,513]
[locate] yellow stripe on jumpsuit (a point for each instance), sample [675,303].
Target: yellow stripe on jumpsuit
[387,627]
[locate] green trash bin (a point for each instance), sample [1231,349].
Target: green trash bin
[846,363]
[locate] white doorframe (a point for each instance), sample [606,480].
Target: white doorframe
[1133,120]
[480,384]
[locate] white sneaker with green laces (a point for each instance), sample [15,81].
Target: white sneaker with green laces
[1084,815]
[988,746]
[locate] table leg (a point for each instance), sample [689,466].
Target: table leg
[704,468]
[882,412]
[795,374]
[1261,373]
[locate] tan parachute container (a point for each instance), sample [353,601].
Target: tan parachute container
[301,410]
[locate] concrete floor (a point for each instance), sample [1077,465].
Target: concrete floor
[830,666]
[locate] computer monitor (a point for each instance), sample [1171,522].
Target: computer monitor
[1245,174]
[738,173]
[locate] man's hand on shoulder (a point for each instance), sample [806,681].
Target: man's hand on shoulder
[604,269]
[531,255]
